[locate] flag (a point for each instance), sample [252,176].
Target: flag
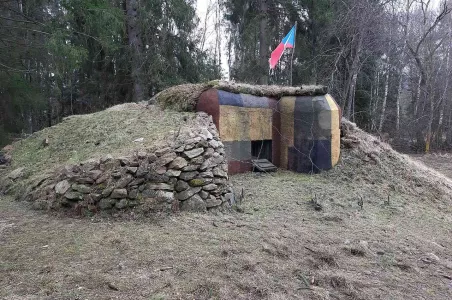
[287,42]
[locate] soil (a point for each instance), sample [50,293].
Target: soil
[378,226]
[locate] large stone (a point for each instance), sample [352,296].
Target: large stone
[188,193]
[17,173]
[106,203]
[85,180]
[94,174]
[136,182]
[133,194]
[161,152]
[204,194]
[210,187]
[132,170]
[124,181]
[197,160]
[188,175]
[123,203]
[178,163]
[89,165]
[73,196]
[211,163]
[214,144]
[181,186]
[81,188]
[166,159]
[206,174]
[192,141]
[173,173]
[229,198]
[157,178]
[207,134]
[194,204]
[194,153]
[190,168]
[209,152]
[165,196]
[119,194]
[148,193]
[159,186]
[152,157]
[219,173]
[106,192]
[62,187]
[142,170]
[213,202]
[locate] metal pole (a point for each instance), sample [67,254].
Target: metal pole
[293,50]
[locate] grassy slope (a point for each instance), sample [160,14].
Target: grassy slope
[82,137]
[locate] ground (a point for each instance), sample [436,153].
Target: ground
[379,228]
[280,247]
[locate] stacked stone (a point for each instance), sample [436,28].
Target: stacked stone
[190,173]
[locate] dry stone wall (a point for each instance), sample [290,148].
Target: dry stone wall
[189,172]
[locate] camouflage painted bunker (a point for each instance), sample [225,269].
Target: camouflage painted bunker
[299,133]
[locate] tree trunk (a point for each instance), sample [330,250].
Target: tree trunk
[263,43]
[399,95]
[136,48]
[353,76]
[385,98]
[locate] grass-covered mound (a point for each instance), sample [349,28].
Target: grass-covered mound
[116,131]
[185,97]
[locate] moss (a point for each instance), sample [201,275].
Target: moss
[197,182]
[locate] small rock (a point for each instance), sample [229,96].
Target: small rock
[89,165]
[119,194]
[211,162]
[62,187]
[85,180]
[203,194]
[81,188]
[173,173]
[430,258]
[209,153]
[94,174]
[214,144]
[96,197]
[102,179]
[142,154]
[17,173]
[116,175]
[178,163]
[106,203]
[181,186]
[157,178]
[132,170]
[70,195]
[165,196]
[166,159]
[210,187]
[136,182]
[213,202]
[194,153]
[162,151]
[123,203]
[219,173]
[139,140]
[133,194]
[159,186]
[124,181]
[152,157]
[194,204]
[106,192]
[206,174]
[197,160]
[190,168]
[188,193]
[142,170]
[188,175]
[125,161]
[106,159]
[229,198]
[207,133]
[180,149]
[161,170]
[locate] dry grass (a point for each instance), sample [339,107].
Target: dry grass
[279,248]
[83,137]
[185,97]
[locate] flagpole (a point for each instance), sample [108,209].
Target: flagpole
[293,50]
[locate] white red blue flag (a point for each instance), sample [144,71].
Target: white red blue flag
[287,42]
